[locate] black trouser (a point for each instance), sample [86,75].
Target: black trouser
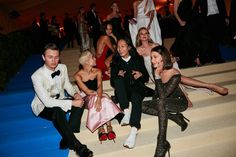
[60,122]
[125,94]
[216,30]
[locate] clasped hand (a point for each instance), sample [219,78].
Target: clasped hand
[136,74]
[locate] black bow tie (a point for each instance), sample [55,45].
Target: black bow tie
[55,73]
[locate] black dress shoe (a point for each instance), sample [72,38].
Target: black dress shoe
[63,144]
[83,151]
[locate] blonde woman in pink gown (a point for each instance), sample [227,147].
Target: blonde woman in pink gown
[101,109]
[145,16]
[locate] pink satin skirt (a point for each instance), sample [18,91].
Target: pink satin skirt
[96,119]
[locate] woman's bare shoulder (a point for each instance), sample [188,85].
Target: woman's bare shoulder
[174,71]
[78,74]
[96,70]
[154,45]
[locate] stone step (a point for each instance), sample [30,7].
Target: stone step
[217,143]
[206,131]
[207,112]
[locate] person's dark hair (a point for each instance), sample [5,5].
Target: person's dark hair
[104,27]
[42,14]
[129,43]
[132,52]
[92,5]
[167,63]
[113,3]
[50,46]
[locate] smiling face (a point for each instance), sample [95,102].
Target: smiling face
[123,48]
[109,29]
[143,35]
[51,59]
[157,60]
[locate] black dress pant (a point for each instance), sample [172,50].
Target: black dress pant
[64,127]
[125,94]
[216,30]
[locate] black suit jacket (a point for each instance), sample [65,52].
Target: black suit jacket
[93,22]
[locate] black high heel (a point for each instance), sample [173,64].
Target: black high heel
[161,150]
[183,124]
[179,119]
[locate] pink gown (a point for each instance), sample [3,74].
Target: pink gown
[108,111]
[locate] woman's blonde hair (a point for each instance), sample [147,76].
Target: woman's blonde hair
[84,57]
[138,41]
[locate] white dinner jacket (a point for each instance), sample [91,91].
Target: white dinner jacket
[46,89]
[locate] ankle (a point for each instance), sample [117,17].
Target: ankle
[101,130]
[126,111]
[109,128]
[134,130]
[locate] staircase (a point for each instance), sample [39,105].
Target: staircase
[211,131]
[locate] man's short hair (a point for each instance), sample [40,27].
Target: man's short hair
[50,46]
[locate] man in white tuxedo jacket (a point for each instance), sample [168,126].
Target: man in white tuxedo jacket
[52,103]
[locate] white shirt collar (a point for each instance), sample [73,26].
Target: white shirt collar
[48,71]
[126,59]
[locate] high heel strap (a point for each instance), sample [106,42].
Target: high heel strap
[111,135]
[182,116]
[162,149]
[168,147]
[102,136]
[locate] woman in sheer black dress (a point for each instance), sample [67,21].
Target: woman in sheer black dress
[115,19]
[171,102]
[192,40]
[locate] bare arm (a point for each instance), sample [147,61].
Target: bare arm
[98,104]
[99,83]
[109,44]
[176,5]
[135,7]
[151,16]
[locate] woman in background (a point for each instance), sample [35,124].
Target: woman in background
[105,50]
[145,16]
[83,30]
[115,18]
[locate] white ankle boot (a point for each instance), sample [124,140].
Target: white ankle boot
[131,140]
[126,118]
